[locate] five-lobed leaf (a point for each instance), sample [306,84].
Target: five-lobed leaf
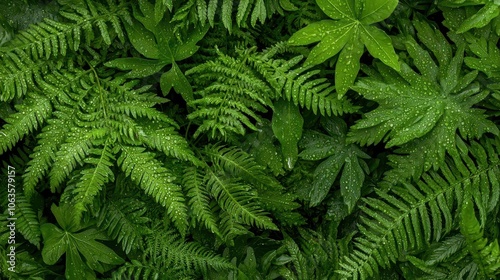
[75,243]
[352,23]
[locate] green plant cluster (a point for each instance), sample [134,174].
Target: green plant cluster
[252,139]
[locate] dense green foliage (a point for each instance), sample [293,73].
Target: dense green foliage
[252,139]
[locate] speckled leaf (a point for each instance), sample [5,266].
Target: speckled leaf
[317,145]
[379,45]
[351,180]
[58,241]
[314,32]
[348,64]
[142,40]
[139,67]
[176,79]
[481,18]
[337,9]
[335,39]
[324,177]
[377,10]
[287,127]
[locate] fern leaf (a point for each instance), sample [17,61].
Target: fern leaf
[27,220]
[236,199]
[169,142]
[31,114]
[485,254]
[410,216]
[124,221]
[93,179]
[194,181]
[157,181]
[239,164]
[71,153]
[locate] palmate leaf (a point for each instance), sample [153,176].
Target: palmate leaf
[339,156]
[76,242]
[349,30]
[410,216]
[422,112]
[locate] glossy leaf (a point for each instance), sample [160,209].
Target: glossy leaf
[379,45]
[332,42]
[377,10]
[176,79]
[287,127]
[490,11]
[337,9]
[348,64]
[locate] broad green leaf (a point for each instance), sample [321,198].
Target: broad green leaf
[160,10]
[176,79]
[54,244]
[338,9]
[65,216]
[490,11]
[324,177]
[287,127]
[331,43]
[314,32]
[142,40]
[140,67]
[58,241]
[93,251]
[347,67]
[379,45]
[377,10]
[351,180]
[347,158]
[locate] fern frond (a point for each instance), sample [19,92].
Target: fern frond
[168,141]
[31,49]
[485,254]
[124,220]
[232,89]
[199,202]
[409,216]
[27,220]
[241,165]
[71,153]
[94,178]
[29,116]
[170,249]
[238,200]
[156,181]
